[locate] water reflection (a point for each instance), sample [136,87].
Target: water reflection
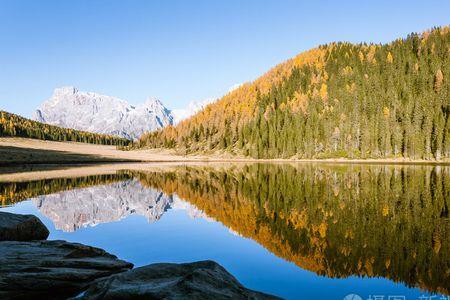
[13,192]
[337,221]
[71,210]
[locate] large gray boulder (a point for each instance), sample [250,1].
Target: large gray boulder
[198,280]
[52,269]
[14,227]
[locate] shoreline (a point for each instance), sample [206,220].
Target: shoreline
[23,151]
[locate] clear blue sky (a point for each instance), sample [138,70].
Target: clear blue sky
[178,51]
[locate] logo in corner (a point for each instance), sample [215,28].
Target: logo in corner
[352,297]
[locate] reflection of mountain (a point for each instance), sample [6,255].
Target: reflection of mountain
[71,210]
[375,221]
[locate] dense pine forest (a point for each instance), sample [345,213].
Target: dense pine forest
[338,100]
[17,126]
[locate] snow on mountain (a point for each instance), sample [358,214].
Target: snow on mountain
[192,108]
[98,113]
[195,106]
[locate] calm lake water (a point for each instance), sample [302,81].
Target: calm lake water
[303,231]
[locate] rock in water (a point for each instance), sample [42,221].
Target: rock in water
[52,269]
[14,227]
[198,280]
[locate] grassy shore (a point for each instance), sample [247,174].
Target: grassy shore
[14,151]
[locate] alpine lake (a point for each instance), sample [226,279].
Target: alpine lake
[295,230]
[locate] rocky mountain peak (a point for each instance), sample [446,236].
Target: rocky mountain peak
[70,108]
[65,90]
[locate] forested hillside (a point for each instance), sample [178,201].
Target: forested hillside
[14,125]
[338,100]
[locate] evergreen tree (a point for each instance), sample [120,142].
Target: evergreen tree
[338,100]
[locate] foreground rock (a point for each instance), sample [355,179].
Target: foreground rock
[198,280]
[32,269]
[14,227]
[52,269]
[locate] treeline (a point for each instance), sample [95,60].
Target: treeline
[17,126]
[339,100]
[337,221]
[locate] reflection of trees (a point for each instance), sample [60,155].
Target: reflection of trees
[336,221]
[12,192]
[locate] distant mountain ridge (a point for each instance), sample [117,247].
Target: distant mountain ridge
[196,106]
[70,108]
[192,108]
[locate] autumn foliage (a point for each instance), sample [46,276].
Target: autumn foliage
[337,100]
[337,221]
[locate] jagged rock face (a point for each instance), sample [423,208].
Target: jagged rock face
[97,113]
[71,210]
[14,227]
[198,280]
[52,269]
